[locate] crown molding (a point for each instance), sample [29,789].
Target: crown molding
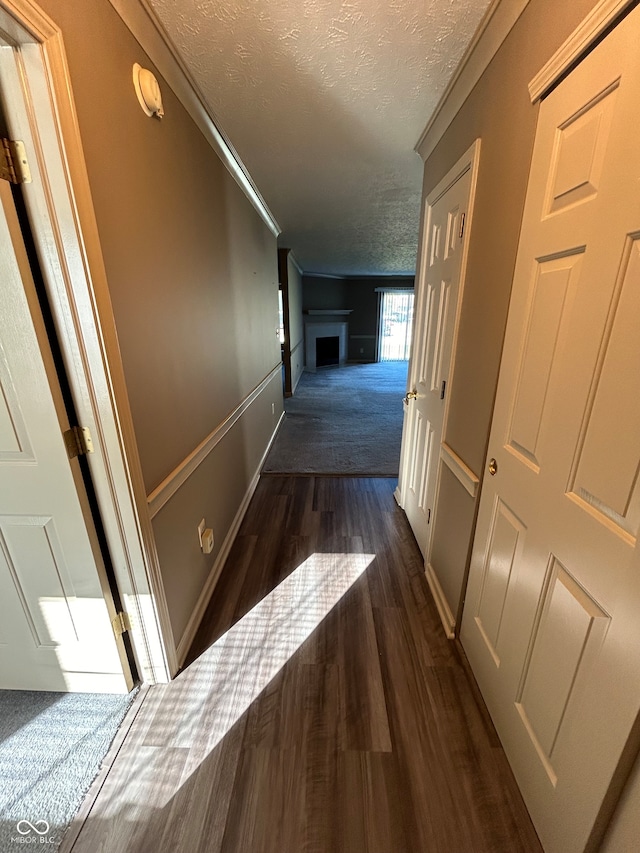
[601,16]
[493,30]
[294,261]
[142,22]
[361,276]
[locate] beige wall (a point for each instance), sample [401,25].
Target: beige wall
[192,274]
[623,833]
[500,113]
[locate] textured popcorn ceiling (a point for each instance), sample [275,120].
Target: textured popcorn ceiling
[324,101]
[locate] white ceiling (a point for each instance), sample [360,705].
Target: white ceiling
[324,101]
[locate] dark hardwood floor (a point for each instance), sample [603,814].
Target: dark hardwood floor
[322,711]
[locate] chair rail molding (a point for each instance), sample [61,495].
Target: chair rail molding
[181,473]
[459,469]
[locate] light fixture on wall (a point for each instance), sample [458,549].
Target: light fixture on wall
[148,91]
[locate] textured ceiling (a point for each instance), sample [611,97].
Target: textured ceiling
[324,101]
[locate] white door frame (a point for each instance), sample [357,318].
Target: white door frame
[39,109]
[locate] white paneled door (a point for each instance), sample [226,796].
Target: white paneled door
[551,623]
[55,630]
[439,286]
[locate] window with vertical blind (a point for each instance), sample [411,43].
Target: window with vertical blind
[396,323]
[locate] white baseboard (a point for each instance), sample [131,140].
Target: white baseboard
[214,575]
[446,616]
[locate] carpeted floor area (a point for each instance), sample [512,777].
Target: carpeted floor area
[51,748]
[343,420]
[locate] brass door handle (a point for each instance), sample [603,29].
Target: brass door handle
[410,395]
[493,466]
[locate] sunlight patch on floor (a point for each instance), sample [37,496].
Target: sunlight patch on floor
[213,693]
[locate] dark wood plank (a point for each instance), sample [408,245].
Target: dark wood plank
[322,709]
[267,813]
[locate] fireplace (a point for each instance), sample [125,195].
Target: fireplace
[328,351]
[325,344]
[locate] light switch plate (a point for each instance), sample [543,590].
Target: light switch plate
[207,540]
[201,528]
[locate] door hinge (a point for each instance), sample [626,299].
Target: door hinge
[121,623]
[78,441]
[443,388]
[428,516]
[462,219]
[14,166]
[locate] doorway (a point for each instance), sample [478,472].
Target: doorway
[58,591]
[39,111]
[440,283]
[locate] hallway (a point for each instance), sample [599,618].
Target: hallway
[324,710]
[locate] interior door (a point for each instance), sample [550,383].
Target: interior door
[435,323]
[551,623]
[55,628]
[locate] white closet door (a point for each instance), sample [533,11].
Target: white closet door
[552,617]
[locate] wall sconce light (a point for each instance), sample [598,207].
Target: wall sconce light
[148,91]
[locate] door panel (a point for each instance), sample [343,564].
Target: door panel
[505,544]
[613,490]
[580,148]
[56,630]
[14,441]
[554,281]
[550,623]
[571,628]
[35,564]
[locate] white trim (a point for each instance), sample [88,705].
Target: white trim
[599,18]
[299,377]
[39,106]
[179,476]
[324,275]
[214,575]
[294,262]
[493,30]
[313,331]
[144,25]
[328,312]
[360,276]
[459,469]
[444,611]
[469,160]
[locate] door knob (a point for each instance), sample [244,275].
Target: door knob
[493,466]
[410,395]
